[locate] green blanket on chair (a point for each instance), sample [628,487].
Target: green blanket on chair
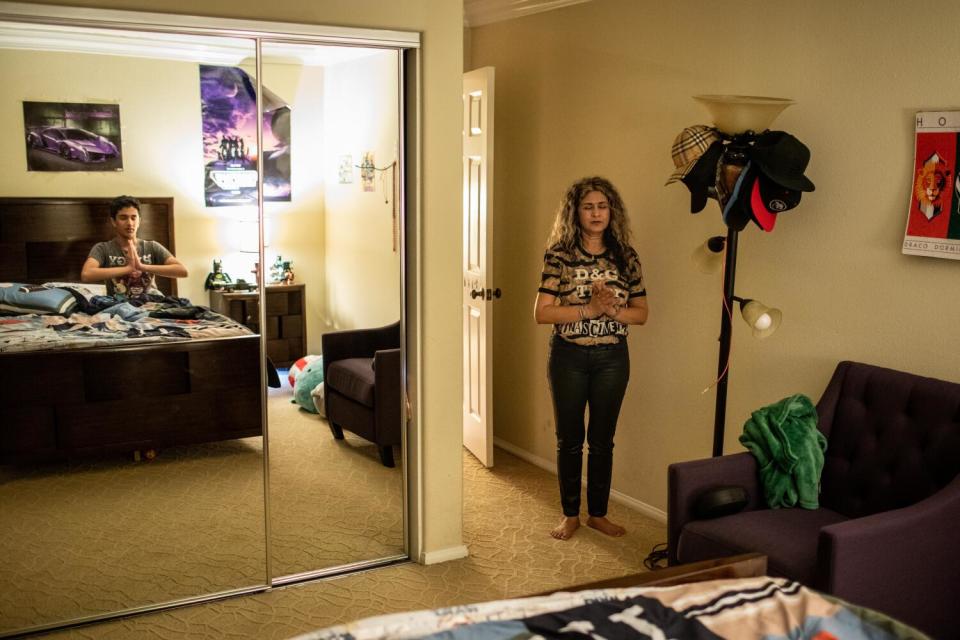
[784,439]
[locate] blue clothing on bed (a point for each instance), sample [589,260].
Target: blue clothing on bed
[126,311]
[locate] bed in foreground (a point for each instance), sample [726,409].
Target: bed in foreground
[728,598]
[77,382]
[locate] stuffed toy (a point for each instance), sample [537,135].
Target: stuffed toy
[306,382]
[297,367]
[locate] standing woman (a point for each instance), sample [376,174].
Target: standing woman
[591,289]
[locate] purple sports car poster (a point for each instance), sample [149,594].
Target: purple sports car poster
[71,136]
[933,219]
[230,154]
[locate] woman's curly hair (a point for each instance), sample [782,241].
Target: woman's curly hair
[566,230]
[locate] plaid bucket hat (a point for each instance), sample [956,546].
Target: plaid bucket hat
[688,146]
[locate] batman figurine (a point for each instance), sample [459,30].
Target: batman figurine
[217,279]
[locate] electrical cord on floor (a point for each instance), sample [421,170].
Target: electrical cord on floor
[659,554]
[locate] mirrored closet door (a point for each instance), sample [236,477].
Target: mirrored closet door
[157,446]
[131,449]
[331,140]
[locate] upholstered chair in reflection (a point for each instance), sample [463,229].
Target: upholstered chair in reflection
[885,535]
[362,385]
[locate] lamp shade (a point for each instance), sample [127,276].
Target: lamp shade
[763,320]
[709,256]
[736,114]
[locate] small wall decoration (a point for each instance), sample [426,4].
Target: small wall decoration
[367,171]
[933,217]
[345,169]
[231,159]
[388,184]
[72,136]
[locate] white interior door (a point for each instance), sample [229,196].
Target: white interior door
[478,295]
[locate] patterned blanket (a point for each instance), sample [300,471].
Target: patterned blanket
[150,322]
[749,608]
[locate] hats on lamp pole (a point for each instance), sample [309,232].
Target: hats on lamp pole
[763,320]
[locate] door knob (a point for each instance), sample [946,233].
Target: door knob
[497,293]
[476,293]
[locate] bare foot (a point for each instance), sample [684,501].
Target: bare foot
[564,530]
[603,525]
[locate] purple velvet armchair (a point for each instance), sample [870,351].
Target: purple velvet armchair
[363,385]
[887,533]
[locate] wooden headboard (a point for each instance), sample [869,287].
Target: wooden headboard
[48,239]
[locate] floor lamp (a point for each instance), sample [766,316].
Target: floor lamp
[737,117]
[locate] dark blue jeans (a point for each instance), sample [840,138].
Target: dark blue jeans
[581,377]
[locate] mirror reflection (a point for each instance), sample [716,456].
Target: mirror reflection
[332,268]
[131,454]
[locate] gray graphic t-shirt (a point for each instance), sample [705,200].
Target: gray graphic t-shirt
[109,254]
[569,276]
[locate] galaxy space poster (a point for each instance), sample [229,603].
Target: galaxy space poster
[230,154]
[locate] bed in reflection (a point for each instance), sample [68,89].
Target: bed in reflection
[78,378]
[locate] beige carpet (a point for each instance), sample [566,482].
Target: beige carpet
[86,538]
[331,501]
[508,512]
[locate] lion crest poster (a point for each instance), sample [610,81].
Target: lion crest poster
[933,218]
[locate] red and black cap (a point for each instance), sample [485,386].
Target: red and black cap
[758,198]
[767,199]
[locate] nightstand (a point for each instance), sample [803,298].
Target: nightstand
[286,330]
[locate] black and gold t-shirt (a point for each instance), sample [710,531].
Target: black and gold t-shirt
[569,276]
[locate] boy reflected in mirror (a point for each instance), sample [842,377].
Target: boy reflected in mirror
[129,266]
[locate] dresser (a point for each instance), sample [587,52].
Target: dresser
[285,307]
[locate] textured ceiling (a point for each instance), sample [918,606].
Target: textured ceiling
[479,12]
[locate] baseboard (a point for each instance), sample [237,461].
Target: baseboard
[523,454]
[444,555]
[548,465]
[639,505]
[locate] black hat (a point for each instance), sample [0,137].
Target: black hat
[701,177]
[783,159]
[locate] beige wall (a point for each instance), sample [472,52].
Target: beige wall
[437,491]
[363,262]
[604,87]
